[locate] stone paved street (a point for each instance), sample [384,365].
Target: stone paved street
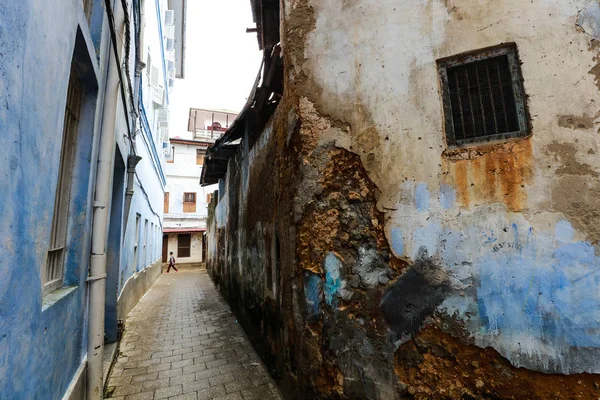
[182,342]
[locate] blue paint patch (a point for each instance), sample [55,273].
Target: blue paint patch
[515,229]
[313,288]
[332,278]
[489,237]
[428,237]
[447,196]
[547,298]
[422,197]
[564,231]
[397,241]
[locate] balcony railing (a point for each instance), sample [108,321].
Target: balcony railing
[207,135]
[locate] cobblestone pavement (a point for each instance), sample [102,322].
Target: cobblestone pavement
[182,342]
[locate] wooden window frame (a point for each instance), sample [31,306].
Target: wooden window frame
[166,203]
[200,154]
[182,250]
[53,271]
[189,206]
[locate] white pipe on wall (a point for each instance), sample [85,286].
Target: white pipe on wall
[97,273]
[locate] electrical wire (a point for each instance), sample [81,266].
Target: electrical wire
[126,58]
[139,182]
[113,37]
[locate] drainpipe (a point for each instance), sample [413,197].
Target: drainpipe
[132,161]
[97,273]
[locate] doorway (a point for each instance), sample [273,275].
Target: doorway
[165,248]
[113,251]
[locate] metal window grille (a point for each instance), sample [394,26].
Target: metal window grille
[483,97]
[52,275]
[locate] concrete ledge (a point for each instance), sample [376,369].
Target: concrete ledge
[76,389]
[110,351]
[136,287]
[52,298]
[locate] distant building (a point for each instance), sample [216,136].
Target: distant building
[185,202]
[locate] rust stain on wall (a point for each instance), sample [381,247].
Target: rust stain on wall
[491,173]
[435,365]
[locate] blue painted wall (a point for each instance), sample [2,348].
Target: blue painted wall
[42,347]
[40,350]
[529,290]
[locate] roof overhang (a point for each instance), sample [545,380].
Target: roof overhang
[265,14]
[189,142]
[262,102]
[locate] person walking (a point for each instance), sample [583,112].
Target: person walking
[172,263]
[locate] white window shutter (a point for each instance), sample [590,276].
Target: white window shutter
[170,44]
[154,76]
[169,17]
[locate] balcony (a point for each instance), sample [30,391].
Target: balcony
[207,135]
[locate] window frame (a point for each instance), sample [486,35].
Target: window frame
[171,159]
[53,271]
[180,248]
[507,49]
[190,205]
[166,203]
[145,246]
[136,242]
[200,154]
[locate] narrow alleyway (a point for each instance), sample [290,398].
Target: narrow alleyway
[182,342]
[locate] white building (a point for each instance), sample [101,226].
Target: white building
[185,205]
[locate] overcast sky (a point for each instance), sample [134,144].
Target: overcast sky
[221,60]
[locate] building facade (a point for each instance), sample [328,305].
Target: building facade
[83,171]
[409,203]
[185,202]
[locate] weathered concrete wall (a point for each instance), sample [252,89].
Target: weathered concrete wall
[382,264]
[135,287]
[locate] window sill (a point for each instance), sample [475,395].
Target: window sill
[52,298]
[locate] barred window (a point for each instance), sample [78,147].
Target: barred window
[483,96]
[52,275]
